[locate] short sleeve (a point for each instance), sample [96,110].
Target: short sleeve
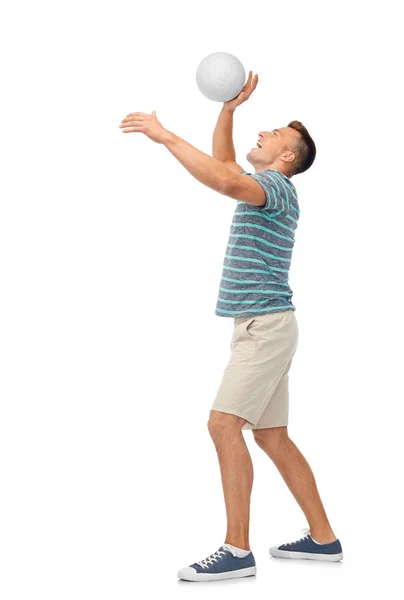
[277,197]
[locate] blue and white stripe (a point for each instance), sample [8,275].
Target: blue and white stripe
[259,251]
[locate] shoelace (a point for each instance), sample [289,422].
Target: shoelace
[210,559]
[305,532]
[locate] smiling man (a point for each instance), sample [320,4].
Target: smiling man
[254,291]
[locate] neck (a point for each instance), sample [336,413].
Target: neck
[275,166]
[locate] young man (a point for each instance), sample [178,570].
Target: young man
[254,290]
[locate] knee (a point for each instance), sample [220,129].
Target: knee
[223,423]
[271,439]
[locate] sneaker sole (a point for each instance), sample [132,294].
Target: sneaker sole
[215,576]
[309,555]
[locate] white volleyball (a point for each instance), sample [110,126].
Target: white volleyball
[220,76]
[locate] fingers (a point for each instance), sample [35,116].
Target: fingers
[135,122]
[138,117]
[248,82]
[251,83]
[249,88]
[131,129]
[133,119]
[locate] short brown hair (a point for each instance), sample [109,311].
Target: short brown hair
[305,149]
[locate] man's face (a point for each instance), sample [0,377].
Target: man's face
[271,145]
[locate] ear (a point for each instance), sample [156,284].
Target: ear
[288,156]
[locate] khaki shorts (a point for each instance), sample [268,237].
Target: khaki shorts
[255,381]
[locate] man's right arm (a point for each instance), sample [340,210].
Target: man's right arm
[222,145]
[223,148]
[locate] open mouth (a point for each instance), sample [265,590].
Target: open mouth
[258,146]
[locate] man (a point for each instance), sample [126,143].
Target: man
[254,291]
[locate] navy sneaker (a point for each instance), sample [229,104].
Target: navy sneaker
[222,564]
[306,547]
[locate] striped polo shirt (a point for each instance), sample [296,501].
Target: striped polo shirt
[259,251]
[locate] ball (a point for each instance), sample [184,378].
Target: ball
[220,76]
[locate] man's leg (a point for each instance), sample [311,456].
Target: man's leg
[299,478]
[237,474]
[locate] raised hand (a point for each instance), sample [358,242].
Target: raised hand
[145,123]
[245,93]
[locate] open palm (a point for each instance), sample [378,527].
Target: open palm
[245,93]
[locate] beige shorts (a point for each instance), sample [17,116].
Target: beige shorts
[255,381]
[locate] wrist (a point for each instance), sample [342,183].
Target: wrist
[168,137]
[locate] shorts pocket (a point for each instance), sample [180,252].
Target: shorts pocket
[247,326]
[243,337]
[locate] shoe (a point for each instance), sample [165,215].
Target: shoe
[306,547]
[222,564]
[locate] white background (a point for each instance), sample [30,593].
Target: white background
[111,258]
